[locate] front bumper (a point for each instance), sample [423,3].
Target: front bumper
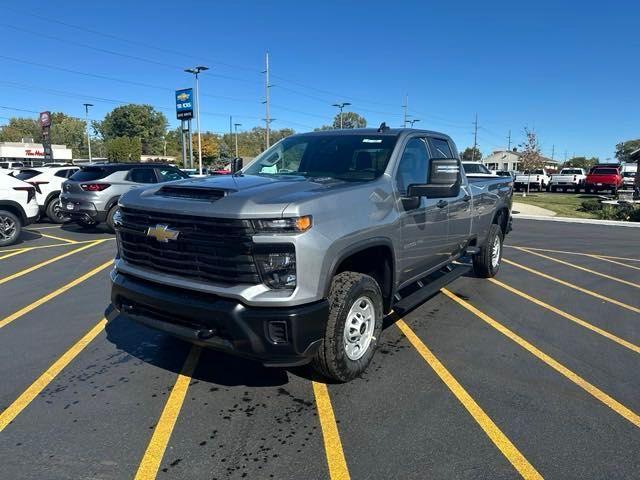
[275,336]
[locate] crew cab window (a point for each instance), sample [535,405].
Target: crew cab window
[170,174]
[142,175]
[440,148]
[413,165]
[65,173]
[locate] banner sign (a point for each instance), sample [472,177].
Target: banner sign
[45,119]
[184,104]
[45,123]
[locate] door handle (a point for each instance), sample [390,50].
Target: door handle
[442,204]
[466,198]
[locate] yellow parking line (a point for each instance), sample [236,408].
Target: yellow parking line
[14,253]
[568,316]
[574,253]
[46,228]
[499,439]
[578,267]
[610,402]
[148,468]
[52,237]
[23,311]
[23,401]
[48,262]
[28,249]
[575,287]
[605,259]
[338,469]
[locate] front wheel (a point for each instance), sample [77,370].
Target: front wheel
[10,227]
[353,327]
[486,263]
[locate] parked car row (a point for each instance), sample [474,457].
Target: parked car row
[599,178]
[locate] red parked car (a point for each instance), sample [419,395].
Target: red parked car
[603,177]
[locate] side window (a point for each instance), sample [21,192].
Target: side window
[440,148]
[142,175]
[62,173]
[71,171]
[170,174]
[413,165]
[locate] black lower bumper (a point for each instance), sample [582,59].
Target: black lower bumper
[282,336]
[82,211]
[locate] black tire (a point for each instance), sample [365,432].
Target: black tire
[331,359]
[54,213]
[110,225]
[86,225]
[553,189]
[587,190]
[10,228]
[484,265]
[614,191]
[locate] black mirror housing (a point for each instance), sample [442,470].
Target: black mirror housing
[434,190]
[236,165]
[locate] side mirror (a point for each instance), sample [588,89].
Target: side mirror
[434,190]
[236,165]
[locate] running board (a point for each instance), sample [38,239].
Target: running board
[430,289]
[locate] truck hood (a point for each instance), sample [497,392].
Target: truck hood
[251,196]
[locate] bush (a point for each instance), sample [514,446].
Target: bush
[625,211]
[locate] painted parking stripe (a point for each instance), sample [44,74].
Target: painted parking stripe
[332,444]
[148,468]
[53,237]
[23,401]
[575,287]
[568,316]
[49,262]
[46,228]
[15,252]
[574,253]
[607,400]
[578,267]
[23,311]
[605,259]
[499,439]
[39,247]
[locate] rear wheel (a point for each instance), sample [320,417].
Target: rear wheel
[552,188]
[109,222]
[55,213]
[10,227]
[486,263]
[353,327]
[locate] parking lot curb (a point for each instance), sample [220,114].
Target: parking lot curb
[590,221]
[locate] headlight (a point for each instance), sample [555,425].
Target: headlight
[275,225]
[277,265]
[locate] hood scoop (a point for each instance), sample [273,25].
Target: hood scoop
[192,193]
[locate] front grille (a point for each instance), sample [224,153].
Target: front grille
[212,249]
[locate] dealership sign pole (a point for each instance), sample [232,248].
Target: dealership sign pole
[45,123]
[184,113]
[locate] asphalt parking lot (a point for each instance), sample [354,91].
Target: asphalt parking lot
[533,374]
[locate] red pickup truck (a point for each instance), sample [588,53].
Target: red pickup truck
[603,177]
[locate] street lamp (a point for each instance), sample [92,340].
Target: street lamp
[236,125]
[341,107]
[196,70]
[412,121]
[86,121]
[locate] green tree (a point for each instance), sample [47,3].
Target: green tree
[136,121]
[530,157]
[471,154]
[123,149]
[624,149]
[19,128]
[69,131]
[582,162]
[349,120]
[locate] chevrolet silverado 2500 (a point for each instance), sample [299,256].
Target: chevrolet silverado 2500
[298,256]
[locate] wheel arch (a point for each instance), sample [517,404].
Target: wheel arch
[15,208]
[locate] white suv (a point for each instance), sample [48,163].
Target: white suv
[48,183]
[18,207]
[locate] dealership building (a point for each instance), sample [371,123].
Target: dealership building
[32,154]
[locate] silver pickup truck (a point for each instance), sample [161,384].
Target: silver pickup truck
[298,256]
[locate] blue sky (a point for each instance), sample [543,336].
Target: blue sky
[569,70]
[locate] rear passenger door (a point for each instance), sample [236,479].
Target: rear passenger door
[142,176]
[423,227]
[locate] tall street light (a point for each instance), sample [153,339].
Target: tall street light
[236,125]
[86,121]
[196,70]
[413,121]
[341,107]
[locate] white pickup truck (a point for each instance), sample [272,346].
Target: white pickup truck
[568,178]
[537,178]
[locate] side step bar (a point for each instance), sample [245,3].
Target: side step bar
[430,289]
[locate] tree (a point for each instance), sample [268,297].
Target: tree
[135,121]
[530,158]
[349,120]
[123,149]
[582,162]
[624,150]
[19,128]
[471,154]
[69,131]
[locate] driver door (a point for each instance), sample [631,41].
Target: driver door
[423,229]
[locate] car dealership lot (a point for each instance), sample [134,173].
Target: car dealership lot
[533,374]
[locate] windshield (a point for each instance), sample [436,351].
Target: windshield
[355,157]
[571,171]
[475,168]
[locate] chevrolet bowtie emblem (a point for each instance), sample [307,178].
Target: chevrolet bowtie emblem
[162,233]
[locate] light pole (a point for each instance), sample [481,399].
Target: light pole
[86,121]
[196,70]
[341,107]
[236,125]
[412,121]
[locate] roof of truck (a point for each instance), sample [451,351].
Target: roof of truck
[393,132]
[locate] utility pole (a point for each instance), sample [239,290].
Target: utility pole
[406,107]
[86,120]
[341,106]
[475,139]
[509,139]
[196,71]
[553,152]
[236,125]
[267,101]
